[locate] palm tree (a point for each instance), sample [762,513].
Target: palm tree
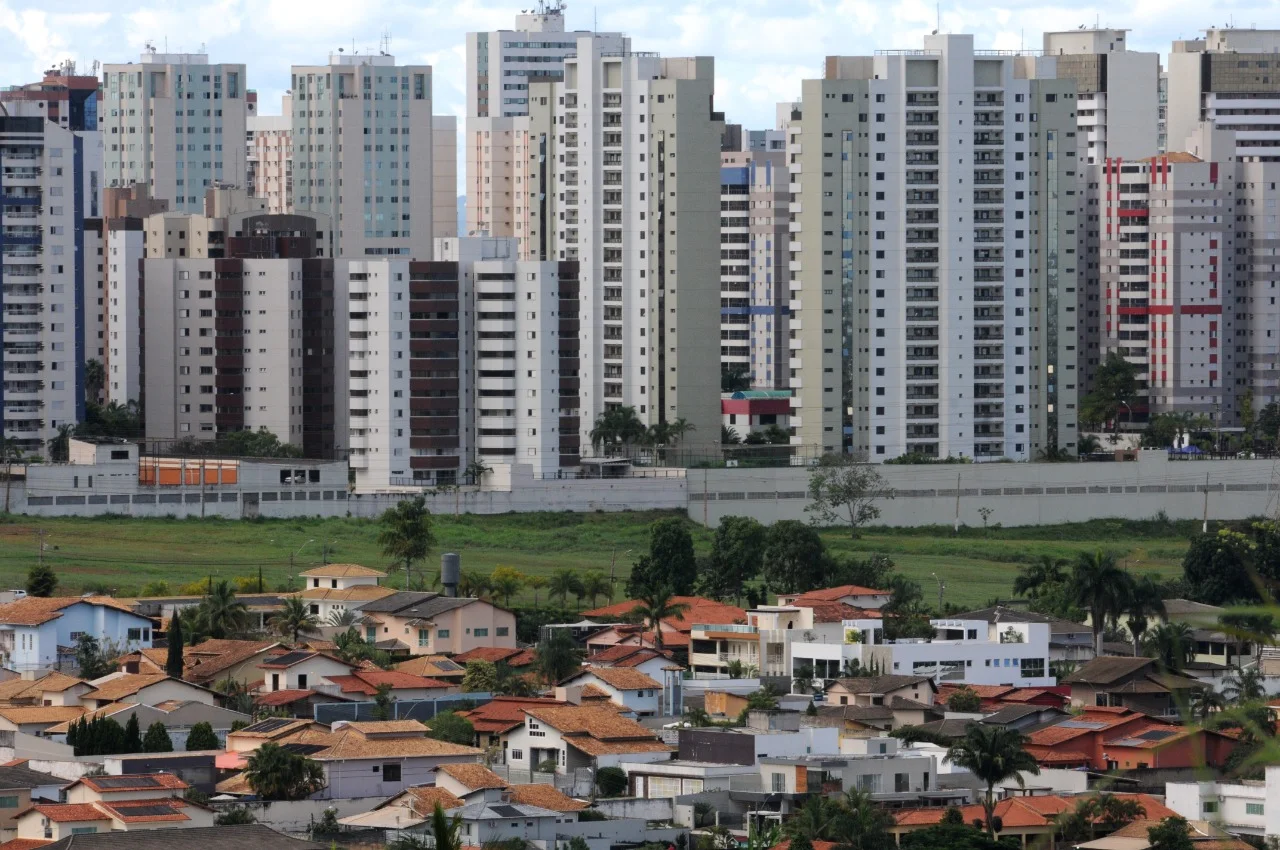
[813,821]
[446,831]
[1171,644]
[1101,588]
[677,429]
[656,605]
[862,825]
[1088,444]
[1146,600]
[563,583]
[729,436]
[11,452]
[557,657]
[535,583]
[1244,684]
[1033,577]
[274,773]
[293,618]
[505,582]
[406,534]
[60,443]
[95,378]
[617,426]
[802,682]
[474,583]
[1205,702]
[596,584]
[697,717]
[221,613]
[342,619]
[992,754]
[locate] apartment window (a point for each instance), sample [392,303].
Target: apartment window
[1258,809]
[391,773]
[779,782]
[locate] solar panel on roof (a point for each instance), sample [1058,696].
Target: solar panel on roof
[290,658]
[126,782]
[305,749]
[268,725]
[1081,724]
[1157,734]
[145,811]
[507,811]
[447,665]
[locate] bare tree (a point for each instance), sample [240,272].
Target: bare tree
[842,489]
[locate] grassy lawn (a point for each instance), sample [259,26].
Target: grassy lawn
[121,555]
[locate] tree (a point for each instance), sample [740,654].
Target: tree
[476,471]
[473,583]
[1219,568]
[1115,383]
[654,606]
[157,739]
[60,444]
[220,614]
[446,831]
[452,727]
[95,379]
[1101,813]
[406,535]
[564,582]
[480,675]
[735,377]
[41,581]
[952,835]
[382,701]
[274,773]
[133,735]
[173,661]
[992,754]
[1146,600]
[342,619]
[1172,833]
[792,559]
[729,436]
[596,584]
[202,737]
[1101,588]
[617,427]
[964,701]
[844,489]
[89,657]
[737,553]
[802,677]
[1172,645]
[1033,578]
[611,781]
[557,657]
[905,614]
[1244,685]
[536,583]
[861,824]
[235,816]
[506,583]
[293,618]
[670,562]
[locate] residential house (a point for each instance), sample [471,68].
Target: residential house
[111,803]
[879,690]
[494,719]
[995,697]
[146,688]
[296,703]
[762,641]
[483,821]
[20,786]
[272,730]
[1081,740]
[363,685]
[508,656]
[766,733]
[676,631]
[428,623]
[1069,642]
[890,775]
[1245,808]
[209,661]
[859,721]
[1158,745]
[579,736]
[50,689]
[33,629]
[434,667]
[1030,819]
[301,670]
[1202,834]
[847,594]
[244,837]
[334,588]
[466,779]
[1135,683]
[649,661]
[367,759]
[625,686]
[36,719]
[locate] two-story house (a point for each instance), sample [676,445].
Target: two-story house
[1134,683]
[494,719]
[651,662]
[429,623]
[626,687]
[301,670]
[569,737]
[852,595]
[146,688]
[209,661]
[676,631]
[883,690]
[20,786]
[33,629]
[115,803]
[334,588]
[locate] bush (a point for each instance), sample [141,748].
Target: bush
[612,781]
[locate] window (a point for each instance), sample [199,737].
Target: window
[135,634]
[779,782]
[481,632]
[1033,668]
[517,755]
[424,637]
[1210,807]
[442,633]
[371,634]
[12,803]
[83,830]
[391,773]
[502,631]
[1258,809]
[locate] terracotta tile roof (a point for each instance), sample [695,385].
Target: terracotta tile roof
[13,688]
[387,727]
[502,714]
[1108,670]
[492,654]
[1045,755]
[546,797]
[835,612]
[238,784]
[33,610]
[359,593]
[1175,158]
[145,782]
[204,661]
[835,594]
[1028,694]
[432,667]
[24,844]
[290,658]
[123,685]
[474,776]
[367,682]
[68,812]
[271,731]
[342,571]
[348,743]
[621,678]
[700,611]
[50,714]
[983,691]
[56,683]
[1037,811]
[21,690]
[883,684]
[1157,735]
[422,800]
[279,698]
[598,731]
[126,810]
[593,691]
[625,656]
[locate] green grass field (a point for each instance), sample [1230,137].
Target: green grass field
[120,555]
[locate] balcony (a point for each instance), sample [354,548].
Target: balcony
[988,196]
[988,138]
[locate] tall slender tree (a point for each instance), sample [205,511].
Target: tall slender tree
[406,534]
[173,656]
[654,606]
[992,754]
[1102,589]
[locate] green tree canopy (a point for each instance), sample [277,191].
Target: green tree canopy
[793,557]
[452,727]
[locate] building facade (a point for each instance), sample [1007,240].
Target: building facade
[933,284]
[269,158]
[174,123]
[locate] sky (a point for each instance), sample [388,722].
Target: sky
[762,49]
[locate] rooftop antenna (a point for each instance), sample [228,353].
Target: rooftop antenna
[937,8]
[386,42]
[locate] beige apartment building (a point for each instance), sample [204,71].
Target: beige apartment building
[269,158]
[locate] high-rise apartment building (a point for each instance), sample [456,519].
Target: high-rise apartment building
[269,158]
[1230,78]
[44,249]
[933,277]
[626,182]
[174,123]
[754,290]
[368,154]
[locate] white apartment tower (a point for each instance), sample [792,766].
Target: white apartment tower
[176,124]
[269,158]
[368,154]
[1230,78]
[933,283]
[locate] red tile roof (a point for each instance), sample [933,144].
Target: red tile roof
[983,691]
[502,714]
[68,812]
[512,657]
[145,782]
[1031,812]
[278,698]
[367,681]
[835,594]
[626,656]
[24,844]
[700,610]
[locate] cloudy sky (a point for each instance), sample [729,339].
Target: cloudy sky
[762,49]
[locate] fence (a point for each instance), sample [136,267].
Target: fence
[411,709]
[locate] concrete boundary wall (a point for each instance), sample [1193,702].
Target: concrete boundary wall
[1017,493]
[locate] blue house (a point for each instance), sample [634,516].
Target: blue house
[35,632]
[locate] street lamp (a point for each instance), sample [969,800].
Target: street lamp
[293,555]
[942,586]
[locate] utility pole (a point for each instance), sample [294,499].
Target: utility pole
[957,525]
[1204,524]
[40,545]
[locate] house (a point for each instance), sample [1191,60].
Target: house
[494,719]
[890,775]
[296,703]
[36,719]
[766,733]
[209,661]
[434,667]
[244,837]
[1136,836]
[111,803]
[301,670]
[847,594]
[858,720]
[579,736]
[625,686]
[513,657]
[1080,740]
[428,623]
[878,690]
[145,688]
[1245,808]
[1031,819]
[1157,745]
[35,631]
[272,730]
[675,630]
[1069,641]
[465,779]
[50,689]
[334,588]
[483,821]
[651,662]
[1134,683]
[367,759]
[20,786]
[364,684]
